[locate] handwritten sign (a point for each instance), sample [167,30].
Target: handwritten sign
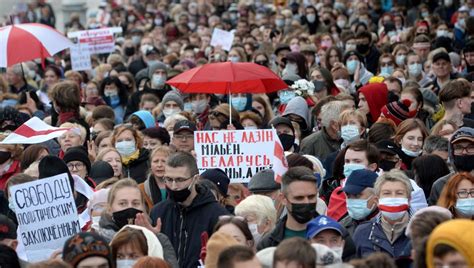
[99,40]
[47,215]
[81,57]
[239,153]
[222,38]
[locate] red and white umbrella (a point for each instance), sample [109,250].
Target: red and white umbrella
[28,41]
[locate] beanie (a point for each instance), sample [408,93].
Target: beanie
[173,96]
[398,111]
[219,178]
[218,242]
[101,171]
[263,181]
[51,166]
[78,153]
[84,245]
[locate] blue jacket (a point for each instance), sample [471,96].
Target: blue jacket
[369,237]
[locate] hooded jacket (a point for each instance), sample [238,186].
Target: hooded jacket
[376,95]
[298,106]
[137,169]
[184,225]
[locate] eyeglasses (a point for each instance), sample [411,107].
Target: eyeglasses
[183,136]
[178,180]
[465,194]
[77,166]
[459,149]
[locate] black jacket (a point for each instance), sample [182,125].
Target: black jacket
[133,104]
[138,168]
[273,238]
[184,225]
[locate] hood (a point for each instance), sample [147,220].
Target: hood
[146,117]
[376,95]
[155,249]
[298,106]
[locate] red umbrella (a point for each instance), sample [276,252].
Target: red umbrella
[228,78]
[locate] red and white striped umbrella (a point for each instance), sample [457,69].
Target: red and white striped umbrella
[29,41]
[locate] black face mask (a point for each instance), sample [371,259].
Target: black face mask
[464,162]
[386,165]
[287,141]
[4,156]
[327,21]
[363,48]
[129,51]
[124,217]
[303,213]
[179,195]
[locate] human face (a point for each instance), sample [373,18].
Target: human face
[184,140]
[393,189]
[259,107]
[69,139]
[105,143]
[126,135]
[316,75]
[129,252]
[284,129]
[150,143]
[91,90]
[469,57]
[447,131]
[249,123]
[414,103]
[50,78]
[465,105]
[286,264]
[413,140]
[235,232]
[148,106]
[98,128]
[329,238]
[464,187]
[301,192]
[363,104]
[356,157]
[422,52]
[367,194]
[352,120]
[78,168]
[114,160]
[111,89]
[180,176]
[158,163]
[333,57]
[463,148]
[171,105]
[393,87]
[441,68]
[127,197]
[93,262]
[451,259]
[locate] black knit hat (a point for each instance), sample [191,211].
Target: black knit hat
[85,245]
[7,228]
[78,153]
[157,133]
[219,178]
[51,165]
[101,171]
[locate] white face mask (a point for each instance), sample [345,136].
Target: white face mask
[125,148]
[167,112]
[158,80]
[125,263]
[199,106]
[338,250]
[253,227]
[411,153]
[290,68]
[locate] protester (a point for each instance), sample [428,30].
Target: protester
[87,249]
[237,256]
[456,196]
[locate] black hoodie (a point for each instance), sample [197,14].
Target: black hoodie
[184,225]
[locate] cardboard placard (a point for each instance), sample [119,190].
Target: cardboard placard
[81,57]
[99,40]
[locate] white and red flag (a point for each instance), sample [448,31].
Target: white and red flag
[33,131]
[280,166]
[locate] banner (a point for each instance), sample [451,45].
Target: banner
[239,153]
[34,131]
[46,214]
[222,38]
[99,40]
[81,57]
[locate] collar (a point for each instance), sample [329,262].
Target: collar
[132,157]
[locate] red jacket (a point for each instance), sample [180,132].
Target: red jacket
[14,168]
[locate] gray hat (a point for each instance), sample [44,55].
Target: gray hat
[156,66]
[173,96]
[263,181]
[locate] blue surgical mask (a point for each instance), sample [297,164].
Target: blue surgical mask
[350,167]
[357,208]
[349,132]
[234,58]
[465,206]
[239,103]
[125,148]
[414,69]
[113,100]
[286,96]
[400,60]
[125,263]
[411,153]
[158,80]
[386,71]
[352,66]
[188,107]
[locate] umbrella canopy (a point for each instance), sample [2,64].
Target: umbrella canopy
[24,42]
[228,77]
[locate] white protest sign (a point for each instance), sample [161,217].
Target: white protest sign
[222,38]
[239,153]
[99,40]
[47,215]
[81,57]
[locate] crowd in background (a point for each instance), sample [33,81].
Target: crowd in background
[377,126]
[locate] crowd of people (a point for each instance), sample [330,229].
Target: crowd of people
[377,125]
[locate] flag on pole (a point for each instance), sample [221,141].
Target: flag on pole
[280,166]
[33,131]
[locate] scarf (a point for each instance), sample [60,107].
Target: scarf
[127,160]
[66,116]
[154,190]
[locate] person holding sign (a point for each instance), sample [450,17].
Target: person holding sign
[190,210]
